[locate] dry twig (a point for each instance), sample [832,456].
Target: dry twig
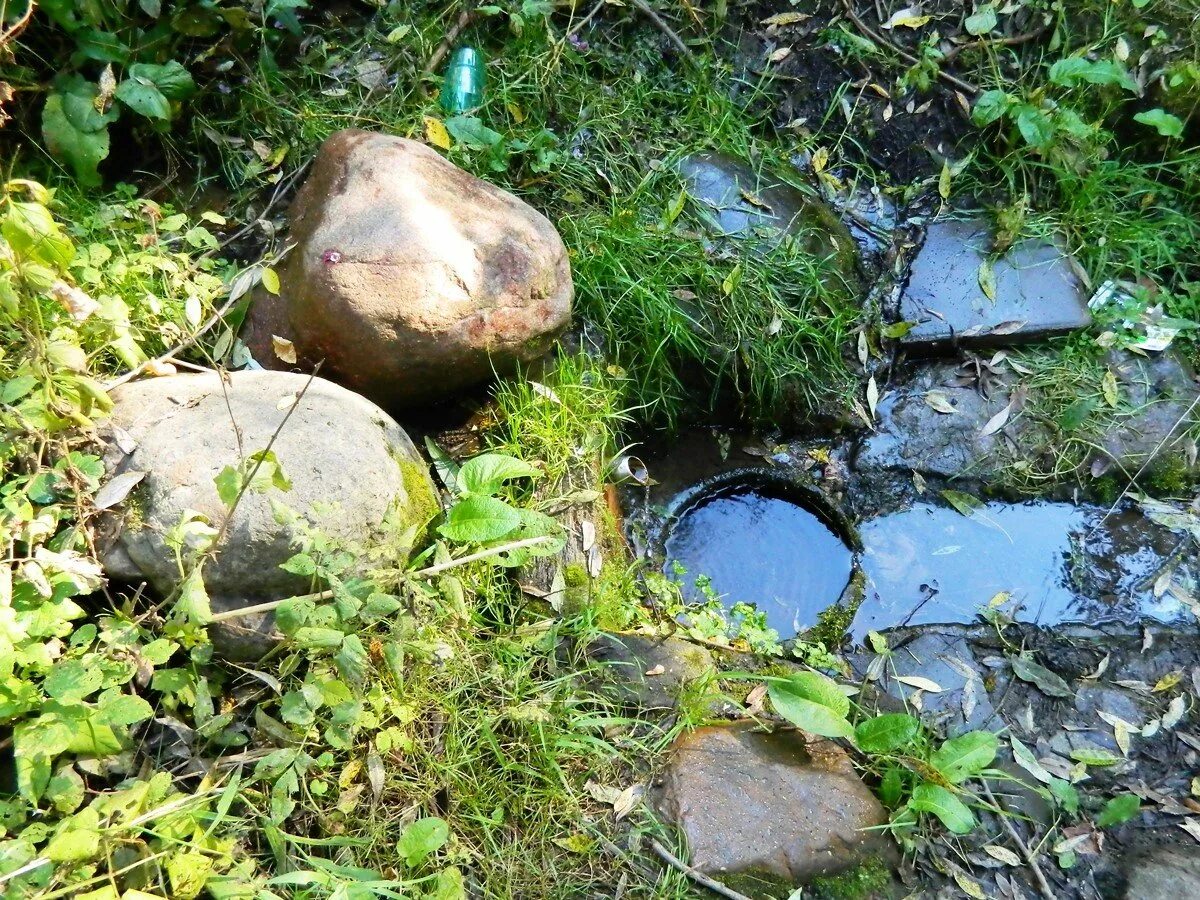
[645,9]
[901,52]
[699,877]
[1030,859]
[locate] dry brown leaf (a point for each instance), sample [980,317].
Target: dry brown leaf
[284,349]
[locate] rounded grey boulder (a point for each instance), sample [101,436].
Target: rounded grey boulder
[355,477]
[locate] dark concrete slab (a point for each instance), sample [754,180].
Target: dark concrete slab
[1038,293]
[741,201]
[1156,393]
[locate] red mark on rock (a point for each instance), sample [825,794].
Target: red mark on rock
[331,257]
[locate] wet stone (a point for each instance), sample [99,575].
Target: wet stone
[1037,291]
[650,673]
[744,202]
[760,810]
[945,659]
[1036,562]
[912,436]
[1165,873]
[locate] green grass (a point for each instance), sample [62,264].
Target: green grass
[694,326]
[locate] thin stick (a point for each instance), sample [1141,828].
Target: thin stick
[283,186]
[644,9]
[699,877]
[18,26]
[1012,41]
[582,23]
[443,48]
[420,573]
[900,51]
[1043,884]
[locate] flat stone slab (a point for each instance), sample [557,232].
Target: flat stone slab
[761,810]
[742,201]
[1038,294]
[650,673]
[1155,393]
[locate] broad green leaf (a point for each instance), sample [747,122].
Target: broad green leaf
[122,709]
[990,106]
[351,659]
[188,871]
[941,802]
[886,733]
[486,474]
[812,702]
[966,755]
[82,150]
[295,709]
[891,787]
[1119,809]
[171,78]
[478,520]
[1076,69]
[73,844]
[1065,794]
[1045,680]
[470,132]
[421,838]
[228,482]
[448,885]
[144,98]
[981,21]
[73,680]
[1035,126]
[1162,121]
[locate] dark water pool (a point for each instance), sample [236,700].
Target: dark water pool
[760,548]
[1048,562]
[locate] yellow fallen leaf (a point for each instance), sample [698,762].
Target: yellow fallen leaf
[436,133]
[284,349]
[786,18]
[270,280]
[909,17]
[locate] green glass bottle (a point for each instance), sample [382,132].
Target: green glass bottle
[463,82]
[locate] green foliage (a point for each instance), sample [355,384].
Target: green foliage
[125,58]
[1118,809]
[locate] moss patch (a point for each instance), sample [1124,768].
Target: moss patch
[422,503]
[868,879]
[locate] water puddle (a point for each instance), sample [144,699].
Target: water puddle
[758,547]
[1045,562]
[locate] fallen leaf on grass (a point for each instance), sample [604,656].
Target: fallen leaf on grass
[436,133]
[996,422]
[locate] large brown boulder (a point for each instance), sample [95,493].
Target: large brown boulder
[411,278]
[761,811]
